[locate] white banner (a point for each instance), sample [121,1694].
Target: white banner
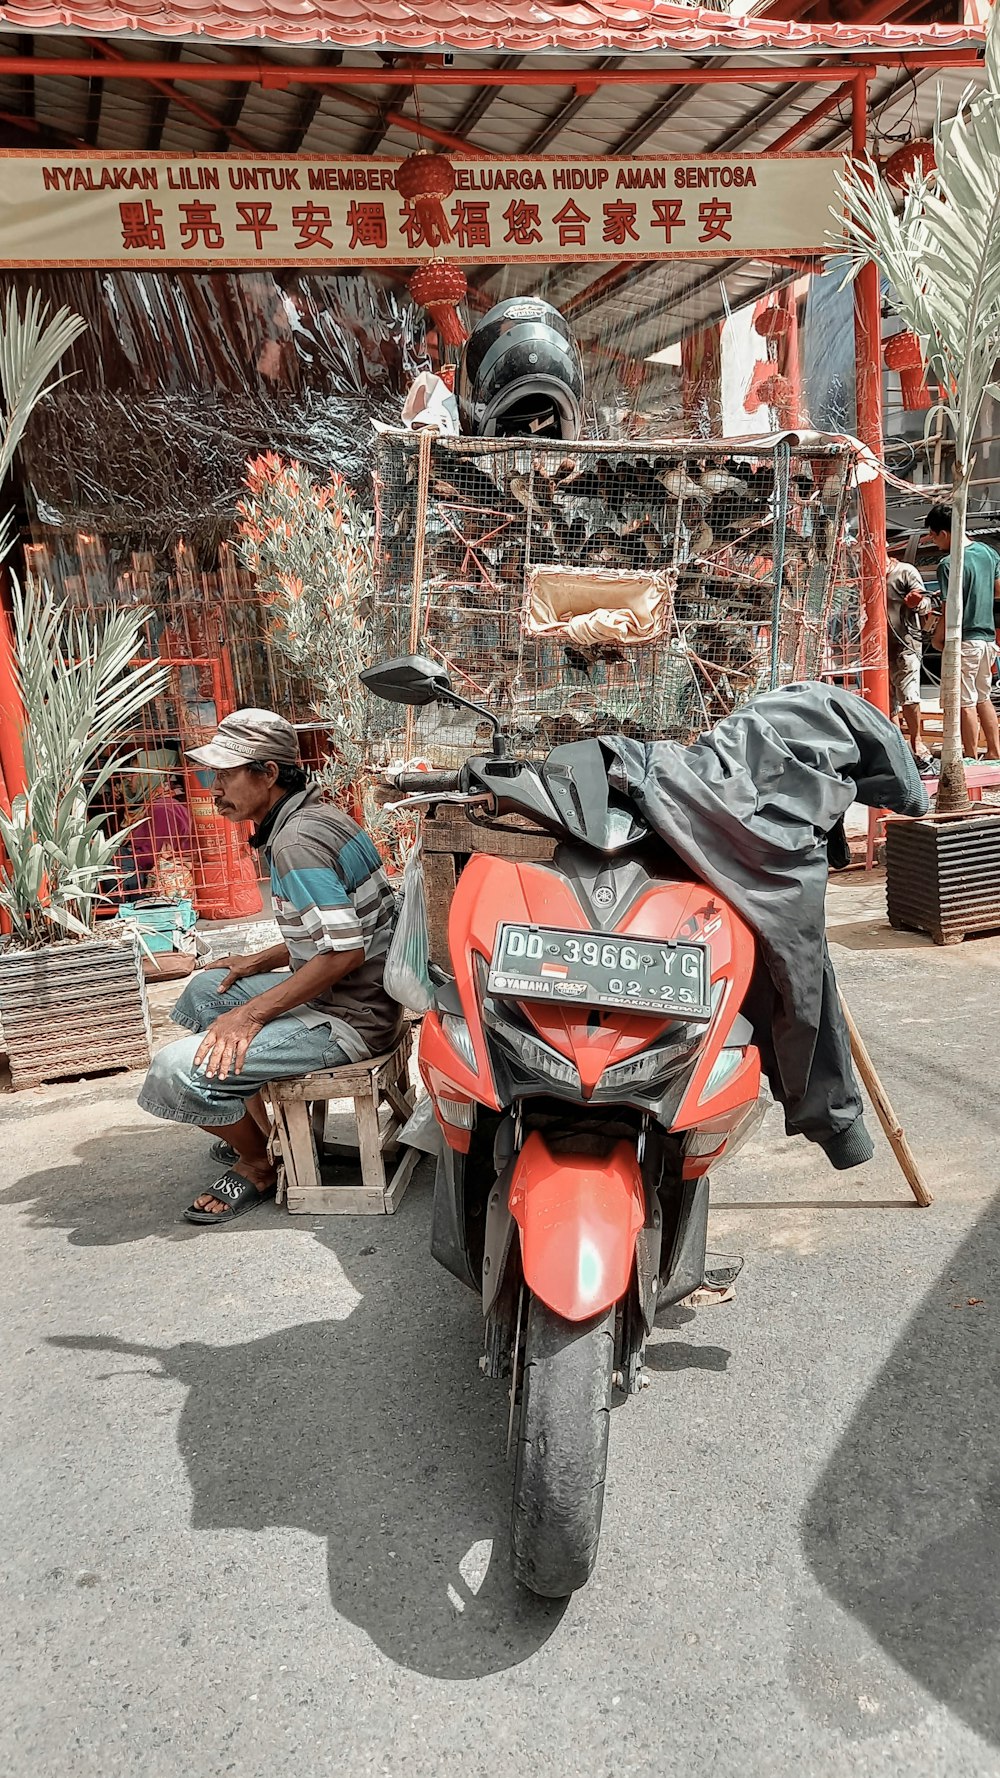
[147,210]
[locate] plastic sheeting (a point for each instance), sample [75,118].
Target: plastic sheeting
[182,376]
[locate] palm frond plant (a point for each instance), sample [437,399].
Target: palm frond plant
[31,345]
[79,684]
[81,690]
[940,255]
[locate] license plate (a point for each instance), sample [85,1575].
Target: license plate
[644,974]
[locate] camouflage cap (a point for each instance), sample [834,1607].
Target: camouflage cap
[248,735]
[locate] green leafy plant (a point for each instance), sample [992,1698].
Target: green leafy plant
[940,254]
[309,547]
[31,346]
[81,688]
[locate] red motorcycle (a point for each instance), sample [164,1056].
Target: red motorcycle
[587,1062]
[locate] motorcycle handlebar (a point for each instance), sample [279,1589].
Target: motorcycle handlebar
[414,783]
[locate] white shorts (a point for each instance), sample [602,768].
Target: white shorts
[904,679]
[977,671]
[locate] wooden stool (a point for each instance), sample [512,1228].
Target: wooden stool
[383,1100]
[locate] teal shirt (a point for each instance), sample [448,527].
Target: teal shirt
[980,572]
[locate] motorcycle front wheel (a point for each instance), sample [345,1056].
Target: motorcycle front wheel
[562,1450]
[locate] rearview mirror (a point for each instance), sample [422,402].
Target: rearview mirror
[412,679]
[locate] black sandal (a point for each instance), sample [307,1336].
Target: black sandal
[224,1153]
[240,1194]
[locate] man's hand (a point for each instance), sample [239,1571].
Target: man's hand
[258,963]
[236,968]
[223,1048]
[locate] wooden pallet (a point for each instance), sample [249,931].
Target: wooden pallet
[450,839]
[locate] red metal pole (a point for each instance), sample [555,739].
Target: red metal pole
[803,124]
[397,119]
[11,709]
[585,80]
[871,496]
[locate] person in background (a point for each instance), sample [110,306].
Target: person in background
[907,603]
[165,828]
[980,585]
[250,1021]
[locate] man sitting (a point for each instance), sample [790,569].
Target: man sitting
[251,1022]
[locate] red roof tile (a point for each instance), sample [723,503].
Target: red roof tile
[475,26]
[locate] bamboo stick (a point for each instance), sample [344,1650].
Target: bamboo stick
[885,1113]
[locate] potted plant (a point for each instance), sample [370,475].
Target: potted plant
[940,255]
[309,548]
[69,1001]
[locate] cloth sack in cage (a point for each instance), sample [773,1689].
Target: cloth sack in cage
[407,973]
[596,606]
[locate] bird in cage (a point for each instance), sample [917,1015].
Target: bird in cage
[676,481]
[446,558]
[701,539]
[577,539]
[559,532]
[562,471]
[533,493]
[510,567]
[721,480]
[604,550]
[728,515]
[642,545]
[590,483]
[456,478]
[644,488]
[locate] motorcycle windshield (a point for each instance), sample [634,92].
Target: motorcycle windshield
[568,793]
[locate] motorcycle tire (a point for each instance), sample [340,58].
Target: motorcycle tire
[562,1450]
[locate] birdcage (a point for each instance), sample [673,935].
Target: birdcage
[596,588]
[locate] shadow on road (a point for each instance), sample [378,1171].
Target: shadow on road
[378,1434]
[903,1530]
[130,1184]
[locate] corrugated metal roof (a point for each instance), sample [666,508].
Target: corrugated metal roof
[477,26]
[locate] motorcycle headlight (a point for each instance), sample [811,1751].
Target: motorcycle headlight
[533,1053]
[652,1065]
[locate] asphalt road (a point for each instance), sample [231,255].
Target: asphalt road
[255,1496]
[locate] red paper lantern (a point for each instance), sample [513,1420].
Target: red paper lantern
[903,354]
[439,286]
[425,180]
[772,324]
[777,392]
[914,156]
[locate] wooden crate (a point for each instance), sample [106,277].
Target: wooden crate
[450,839]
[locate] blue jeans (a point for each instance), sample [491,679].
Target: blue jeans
[174,1088]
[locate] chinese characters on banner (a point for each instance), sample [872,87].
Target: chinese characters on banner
[148,210]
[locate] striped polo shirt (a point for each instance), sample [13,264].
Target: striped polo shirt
[330,893]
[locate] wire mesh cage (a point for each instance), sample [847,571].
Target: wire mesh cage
[595,588]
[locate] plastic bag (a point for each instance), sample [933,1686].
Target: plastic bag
[430,402]
[407,974]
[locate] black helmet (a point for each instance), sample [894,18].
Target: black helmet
[521,374]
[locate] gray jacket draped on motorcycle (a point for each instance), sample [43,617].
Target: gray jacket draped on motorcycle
[755,809]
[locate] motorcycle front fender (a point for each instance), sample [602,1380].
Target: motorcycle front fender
[578,1217]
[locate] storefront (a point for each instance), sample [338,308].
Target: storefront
[656,176]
